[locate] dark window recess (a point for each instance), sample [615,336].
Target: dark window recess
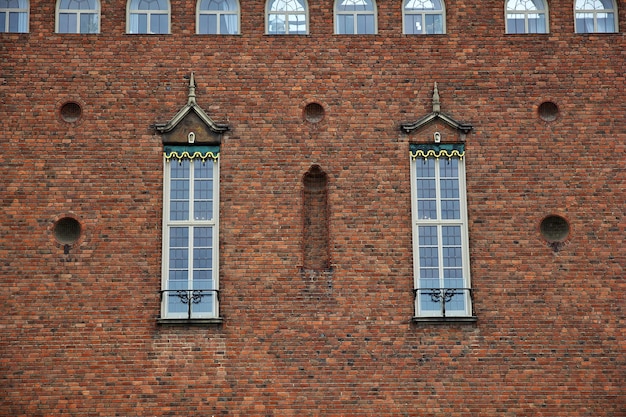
[315,217]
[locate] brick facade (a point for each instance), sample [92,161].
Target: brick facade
[79,332]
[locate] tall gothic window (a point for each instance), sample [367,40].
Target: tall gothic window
[440,239]
[190,232]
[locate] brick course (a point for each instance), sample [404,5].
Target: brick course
[79,334]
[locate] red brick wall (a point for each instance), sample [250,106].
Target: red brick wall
[78,332]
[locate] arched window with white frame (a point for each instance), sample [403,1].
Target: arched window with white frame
[595,16]
[218,17]
[526,16]
[355,17]
[287,17]
[424,17]
[78,16]
[148,17]
[14,16]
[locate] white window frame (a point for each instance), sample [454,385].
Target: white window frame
[439,223]
[526,13]
[218,13]
[191,224]
[130,12]
[78,13]
[595,13]
[286,14]
[423,13]
[24,17]
[355,14]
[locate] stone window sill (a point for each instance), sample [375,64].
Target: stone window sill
[215,321]
[443,320]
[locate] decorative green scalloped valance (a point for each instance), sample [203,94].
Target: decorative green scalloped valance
[437,150]
[191,152]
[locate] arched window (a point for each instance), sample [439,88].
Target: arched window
[424,17]
[526,16]
[355,17]
[596,16]
[218,17]
[148,16]
[78,16]
[14,16]
[287,17]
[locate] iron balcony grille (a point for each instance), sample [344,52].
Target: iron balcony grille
[190,297]
[444,296]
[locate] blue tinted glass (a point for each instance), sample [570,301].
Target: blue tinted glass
[365,24]
[345,24]
[89,23]
[67,23]
[208,24]
[158,24]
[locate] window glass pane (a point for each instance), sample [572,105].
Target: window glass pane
[276,24]
[297,24]
[449,189]
[427,235]
[138,23]
[428,257]
[413,24]
[88,23]
[345,24]
[426,188]
[423,5]
[515,23]
[208,24]
[536,23]
[365,24]
[606,22]
[228,24]
[450,209]
[355,5]
[427,209]
[218,5]
[158,24]
[287,6]
[3,18]
[67,23]
[434,24]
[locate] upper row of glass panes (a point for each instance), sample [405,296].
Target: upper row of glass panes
[291,16]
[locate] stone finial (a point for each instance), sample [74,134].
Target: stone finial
[192,90]
[436,104]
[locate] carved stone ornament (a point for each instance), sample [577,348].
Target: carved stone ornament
[191,125]
[435,116]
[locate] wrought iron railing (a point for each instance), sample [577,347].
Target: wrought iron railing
[446,295]
[190,297]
